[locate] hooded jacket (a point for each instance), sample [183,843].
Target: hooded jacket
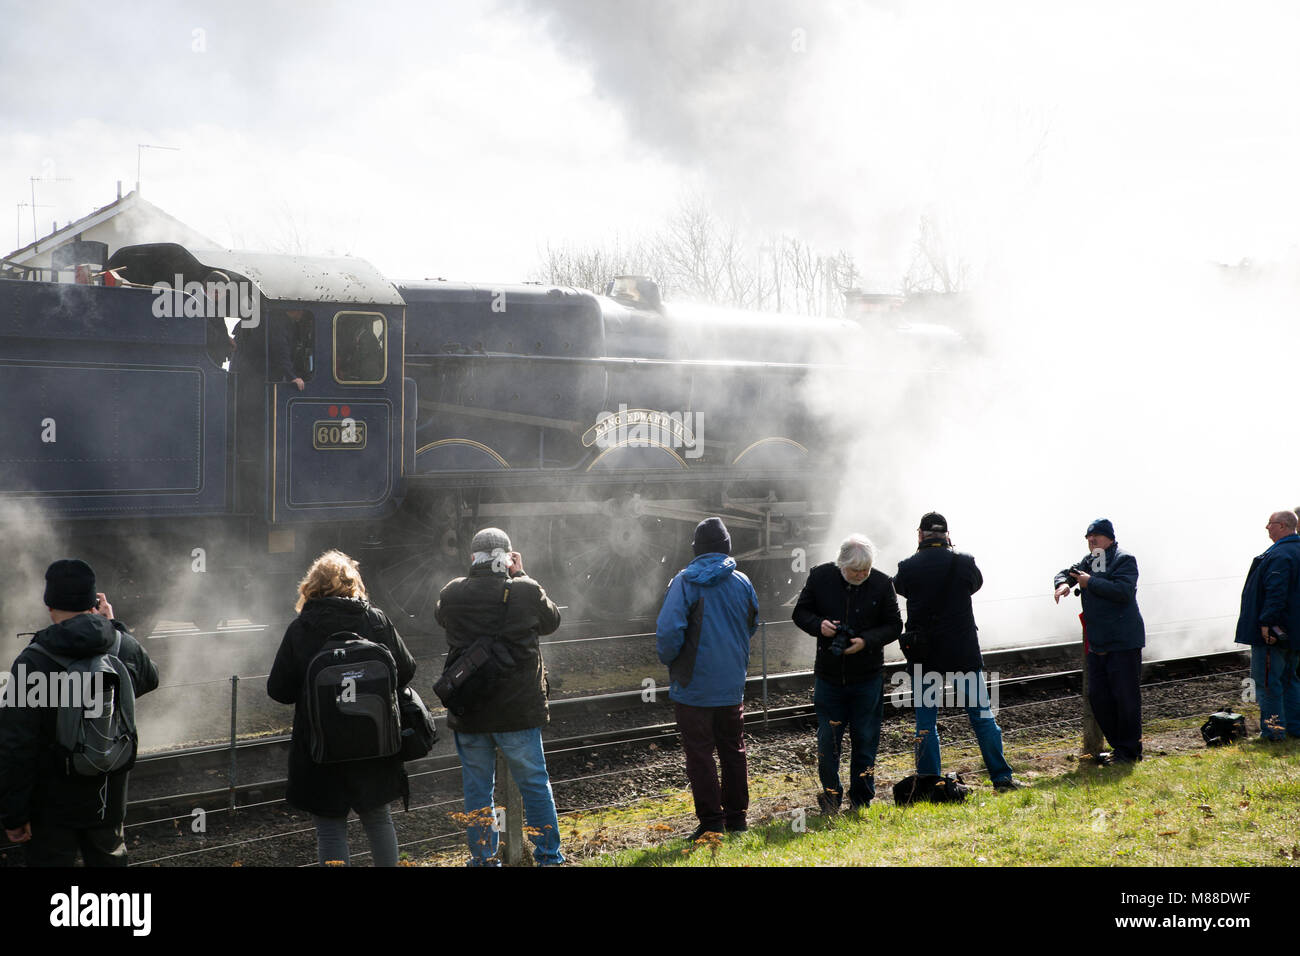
[331,789]
[470,608]
[1111,617]
[708,659]
[1270,598]
[870,608]
[34,783]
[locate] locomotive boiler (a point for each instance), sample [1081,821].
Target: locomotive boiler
[204,423]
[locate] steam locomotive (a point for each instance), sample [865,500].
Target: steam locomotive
[200,424]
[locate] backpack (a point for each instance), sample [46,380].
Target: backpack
[1223,728]
[350,690]
[95,720]
[419,730]
[915,788]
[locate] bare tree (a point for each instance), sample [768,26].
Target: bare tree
[934,268]
[701,256]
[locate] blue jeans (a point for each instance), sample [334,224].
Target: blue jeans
[859,709]
[987,733]
[332,837]
[523,752]
[1273,669]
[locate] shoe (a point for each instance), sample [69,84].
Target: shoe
[827,804]
[1003,786]
[702,829]
[1104,759]
[740,827]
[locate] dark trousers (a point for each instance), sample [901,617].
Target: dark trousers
[859,708]
[703,730]
[1116,699]
[52,845]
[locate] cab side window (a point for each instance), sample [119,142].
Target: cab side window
[360,348]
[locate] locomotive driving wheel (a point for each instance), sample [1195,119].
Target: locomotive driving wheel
[417,553]
[616,565]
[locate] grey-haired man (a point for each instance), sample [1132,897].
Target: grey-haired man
[850,608]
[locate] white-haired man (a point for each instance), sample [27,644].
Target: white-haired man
[851,609]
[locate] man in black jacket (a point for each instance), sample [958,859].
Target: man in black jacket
[944,648]
[848,690]
[498,600]
[56,811]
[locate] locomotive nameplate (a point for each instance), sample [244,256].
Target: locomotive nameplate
[346,434]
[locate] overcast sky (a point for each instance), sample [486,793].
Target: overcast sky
[458,139]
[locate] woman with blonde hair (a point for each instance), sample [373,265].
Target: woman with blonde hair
[332,598]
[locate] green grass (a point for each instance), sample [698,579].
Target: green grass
[1237,806]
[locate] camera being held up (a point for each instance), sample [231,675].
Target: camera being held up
[844,636]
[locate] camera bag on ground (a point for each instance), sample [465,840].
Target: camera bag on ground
[351,694]
[1223,728]
[918,788]
[95,722]
[471,678]
[917,642]
[419,730]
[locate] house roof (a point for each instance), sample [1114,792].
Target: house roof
[132,202]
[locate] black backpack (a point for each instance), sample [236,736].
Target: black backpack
[930,788]
[350,691]
[419,730]
[1223,728]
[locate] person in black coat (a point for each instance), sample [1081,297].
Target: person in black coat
[938,583]
[332,598]
[849,684]
[58,814]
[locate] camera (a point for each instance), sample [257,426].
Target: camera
[843,635]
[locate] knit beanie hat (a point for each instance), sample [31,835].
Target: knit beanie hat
[70,585]
[1102,526]
[711,537]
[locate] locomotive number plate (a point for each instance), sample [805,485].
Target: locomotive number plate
[345,434]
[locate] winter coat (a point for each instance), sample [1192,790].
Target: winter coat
[938,582]
[470,608]
[331,789]
[34,783]
[709,659]
[1110,612]
[870,608]
[1270,596]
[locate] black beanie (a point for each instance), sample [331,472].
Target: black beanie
[70,585]
[711,537]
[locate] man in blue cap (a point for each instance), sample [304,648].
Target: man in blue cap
[710,612]
[1113,635]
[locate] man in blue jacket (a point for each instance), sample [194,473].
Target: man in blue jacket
[703,632]
[1270,624]
[1114,636]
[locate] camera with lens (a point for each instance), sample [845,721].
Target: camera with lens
[843,636]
